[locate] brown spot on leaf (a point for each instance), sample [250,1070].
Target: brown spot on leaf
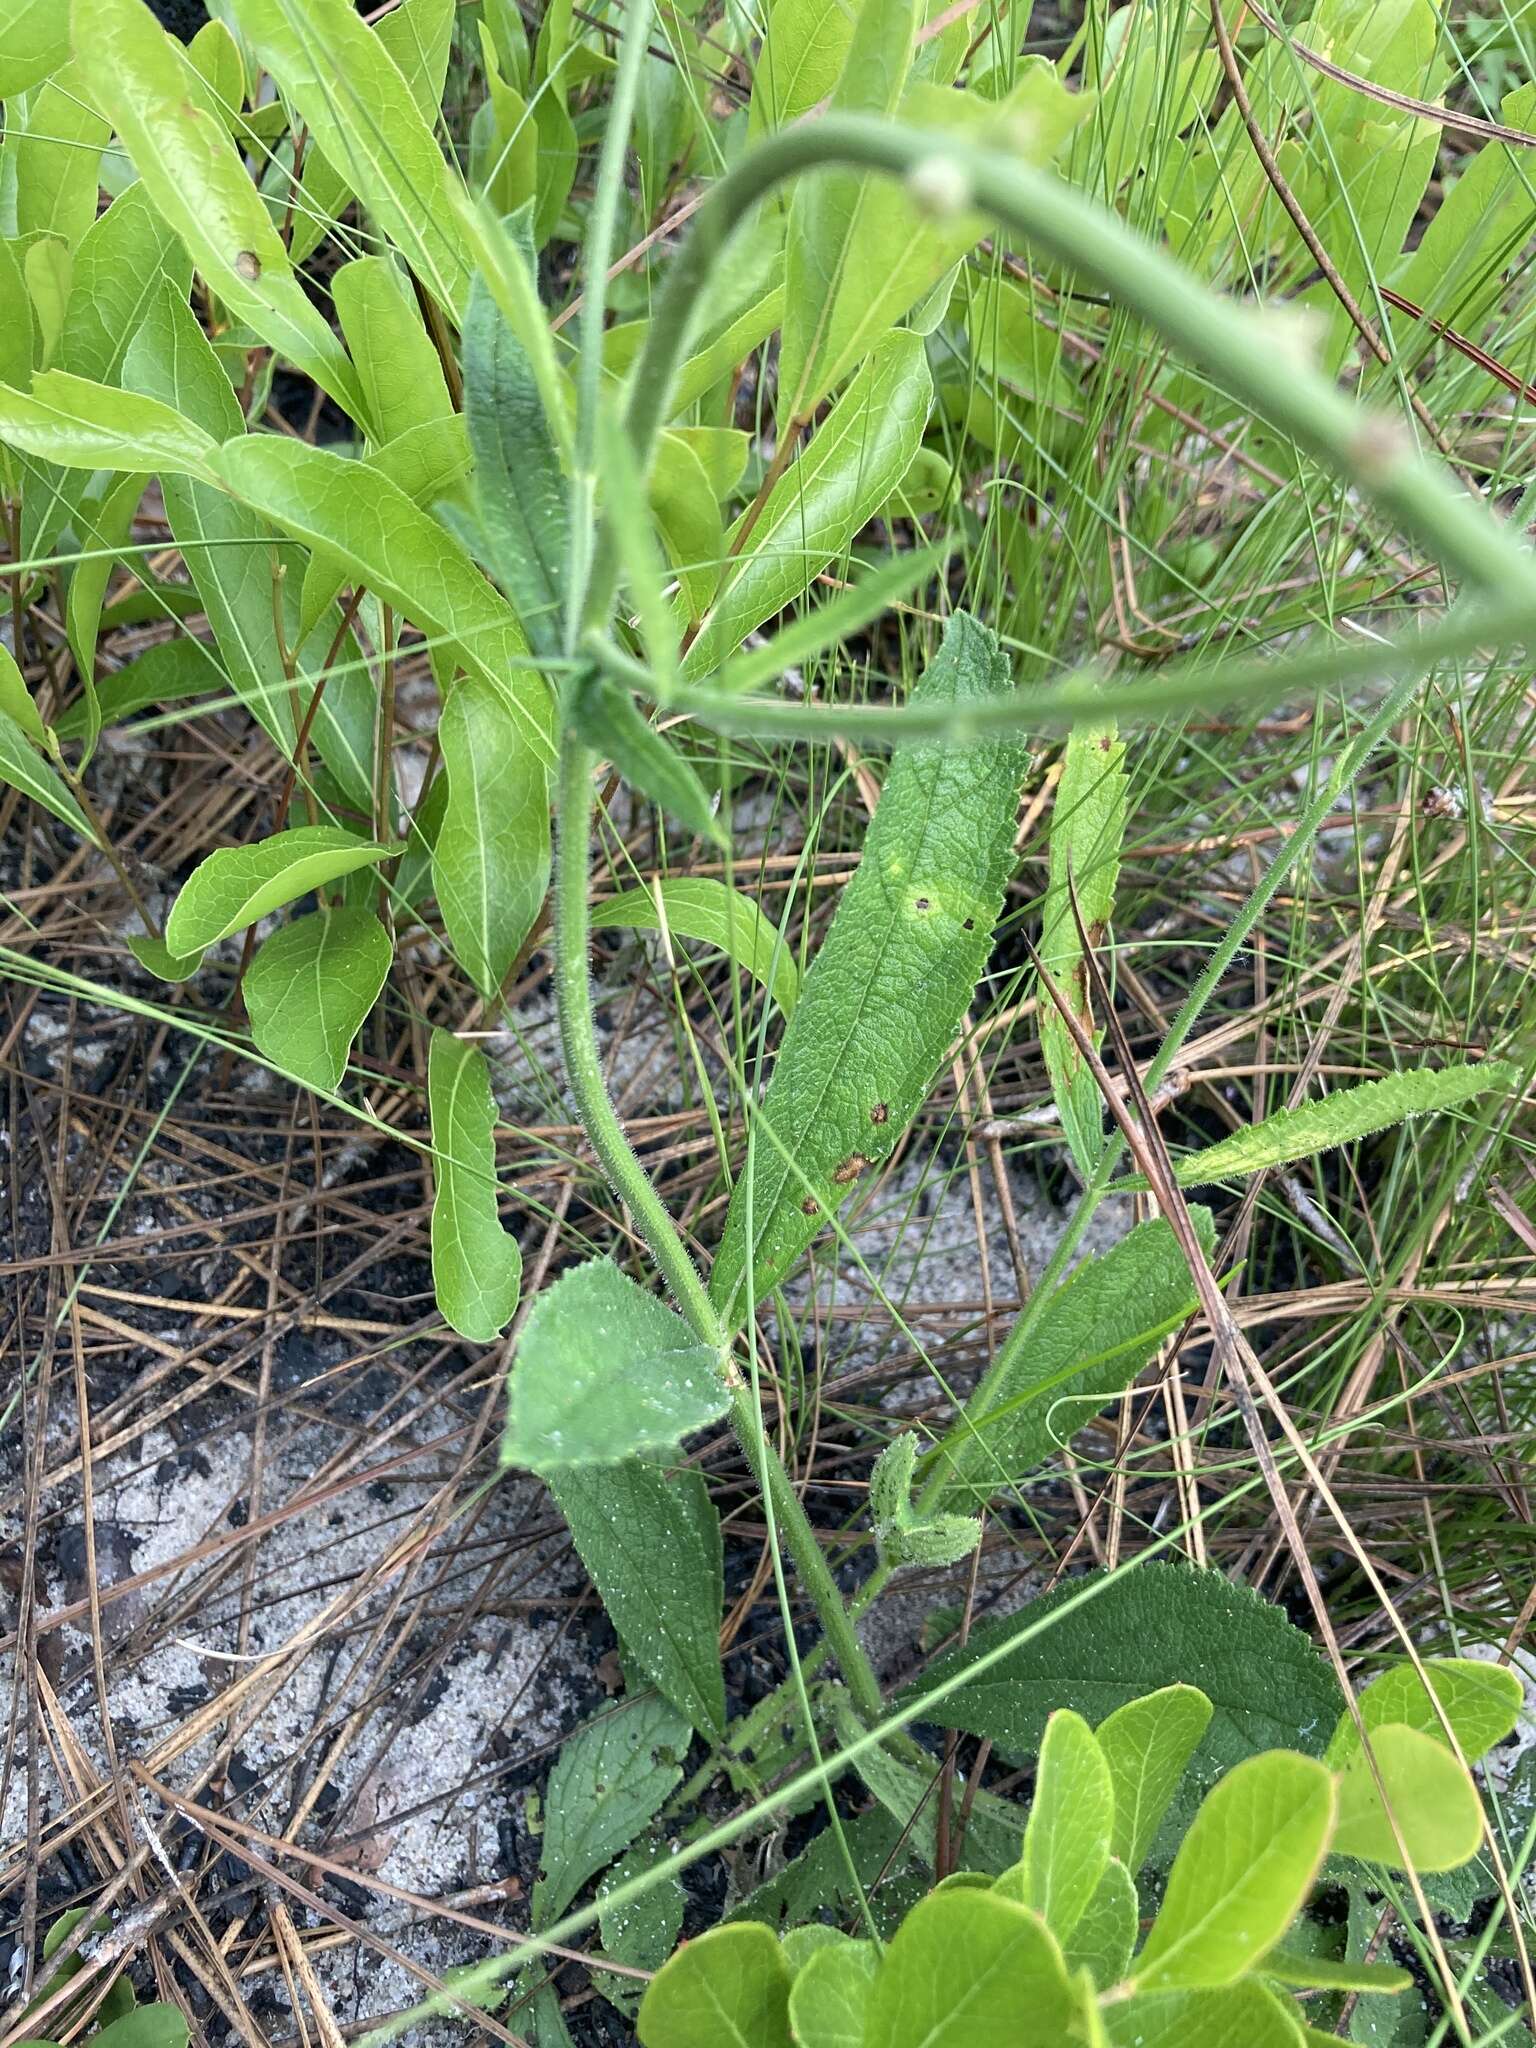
[879,1114]
[810,1206]
[970,924]
[850,1169]
[921,903]
[248,265]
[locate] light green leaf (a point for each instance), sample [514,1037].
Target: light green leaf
[238,885]
[82,425]
[829,1999]
[1324,1973]
[610,721]
[1341,1118]
[1104,1940]
[1147,1744]
[351,95]
[969,1969]
[650,1540]
[490,860]
[16,330]
[34,41]
[156,957]
[1245,2015]
[852,463]
[1242,1873]
[477,1267]
[520,489]
[1481,1701]
[397,366]
[107,521]
[180,147]
[889,989]
[503,139]
[52,157]
[838,618]
[1429,1793]
[1155,1626]
[147,2026]
[309,988]
[1067,1837]
[403,555]
[216,56]
[47,269]
[25,770]
[611,1777]
[1098,1331]
[16,699]
[697,907]
[728,1989]
[801,60]
[686,508]
[605,1371]
[1087,826]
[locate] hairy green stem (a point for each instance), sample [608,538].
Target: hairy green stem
[630,1181]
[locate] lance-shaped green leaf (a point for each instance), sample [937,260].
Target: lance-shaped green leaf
[238,885]
[16,699]
[309,988]
[1087,826]
[477,1268]
[83,425]
[610,1778]
[1327,1973]
[1339,1119]
[403,555]
[519,486]
[1147,1744]
[650,1540]
[418,35]
[727,1989]
[698,907]
[854,460]
[1242,1873]
[182,150]
[1481,1701]
[490,860]
[105,520]
[1071,1816]
[356,103]
[25,770]
[34,41]
[889,989]
[1095,1335]
[829,1999]
[604,1372]
[840,617]
[52,155]
[1104,1940]
[397,366]
[970,1969]
[610,721]
[1430,1796]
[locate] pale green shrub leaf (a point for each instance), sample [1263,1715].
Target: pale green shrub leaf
[107,518]
[605,1371]
[610,1779]
[829,1999]
[1326,1973]
[1071,1818]
[1432,1799]
[969,1969]
[1242,1873]
[52,157]
[1147,1744]
[850,466]
[16,699]
[83,425]
[728,1989]
[182,150]
[1104,1940]
[1481,1701]
[34,41]
[650,1541]
[889,989]
[698,907]
[490,859]
[238,885]
[397,366]
[157,958]
[309,988]
[477,1267]
[1246,2015]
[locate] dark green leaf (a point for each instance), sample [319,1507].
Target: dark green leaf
[477,1268]
[309,988]
[239,885]
[610,1779]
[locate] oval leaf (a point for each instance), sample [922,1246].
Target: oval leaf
[728,1989]
[490,860]
[1147,1744]
[1067,1837]
[1481,1701]
[829,1998]
[238,885]
[1431,1796]
[309,988]
[477,1267]
[969,1969]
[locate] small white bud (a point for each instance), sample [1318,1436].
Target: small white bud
[939,186]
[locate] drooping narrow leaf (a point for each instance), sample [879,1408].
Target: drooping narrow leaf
[1341,1118]
[1071,1817]
[727,1989]
[309,988]
[1087,826]
[1431,1797]
[356,103]
[397,365]
[610,1779]
[477,1266]
[104,522]
[83,425]
[889,989]
[1242,1873]
[697,907]
[238,885]
[181,148]
[610,721]
[1481,1701]
[490,859]
[1327,1973]
[650,1540]
[16,699]
[970,1969]
[839,617]
[853,462]
[1147,1744]
[606,1372]
[24,769]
